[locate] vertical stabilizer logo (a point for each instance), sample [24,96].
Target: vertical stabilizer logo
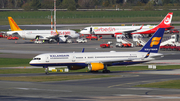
[167,20]
[155,41]
[14,24]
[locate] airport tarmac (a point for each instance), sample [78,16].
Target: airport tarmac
[115,88]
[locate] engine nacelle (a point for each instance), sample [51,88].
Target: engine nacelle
[62,39]
[95,66]
[75,67]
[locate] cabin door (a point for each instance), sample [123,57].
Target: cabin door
[47,59]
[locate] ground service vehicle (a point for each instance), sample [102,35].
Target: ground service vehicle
[170,44]
[91,37]
[12,38]
[81,40]
[123,45]
[106,45]
[122,41]
[173,31]
[1,35]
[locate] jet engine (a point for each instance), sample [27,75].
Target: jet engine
[95,66]
[62,39]
[75,67]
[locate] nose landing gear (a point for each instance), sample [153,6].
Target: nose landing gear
[46,70]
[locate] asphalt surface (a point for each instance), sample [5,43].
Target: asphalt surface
[114,88]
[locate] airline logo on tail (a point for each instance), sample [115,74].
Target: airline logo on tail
[153,44]
[167,20]
[155,41]
[13,25]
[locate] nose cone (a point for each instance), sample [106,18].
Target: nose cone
[81,32]
[32,62]
[9,33]
[77,35]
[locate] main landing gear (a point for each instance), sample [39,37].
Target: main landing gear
[46,70]
[105,69]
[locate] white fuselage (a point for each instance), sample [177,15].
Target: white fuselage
[44,34]
[83,59]
[112,30]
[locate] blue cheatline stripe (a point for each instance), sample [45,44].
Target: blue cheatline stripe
[85,65]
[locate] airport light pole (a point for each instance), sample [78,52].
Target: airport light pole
[51,20]
[54,14]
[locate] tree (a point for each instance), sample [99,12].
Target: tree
[3,3]
[69,4]
[119,1]
[35,4]
[106,3]
[47,4]
[26,6]
[86,3]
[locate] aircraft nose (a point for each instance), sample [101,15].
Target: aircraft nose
[77,35]
[8,33]
[81,32]
[31,62]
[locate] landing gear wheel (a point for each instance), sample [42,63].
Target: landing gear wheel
[106,71]
[46,70]
[47,73]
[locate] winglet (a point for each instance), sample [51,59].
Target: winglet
[142,26]
[83,50]
[13,25]
[154,42]
[57,32]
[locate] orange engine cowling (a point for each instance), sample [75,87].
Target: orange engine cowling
[95,66]
[75,67]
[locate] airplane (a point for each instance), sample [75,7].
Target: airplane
[49,35]
[100,60]
[128,30]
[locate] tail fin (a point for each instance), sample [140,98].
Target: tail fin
[153,44]
[13,25]
[166,21]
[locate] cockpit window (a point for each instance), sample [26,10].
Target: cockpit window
[36,58]
[84,29]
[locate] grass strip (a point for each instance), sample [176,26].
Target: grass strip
[114,68]
[133,68]
[21,71]
[54,78]
[69,17]
[14,62]
[173,84]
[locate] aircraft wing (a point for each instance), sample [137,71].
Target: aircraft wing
[112,61]
[168,28]
[53,37]
[57,36]
[130,31]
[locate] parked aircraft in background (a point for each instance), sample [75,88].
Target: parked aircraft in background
[100,60]
[49,35]
[128,30]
